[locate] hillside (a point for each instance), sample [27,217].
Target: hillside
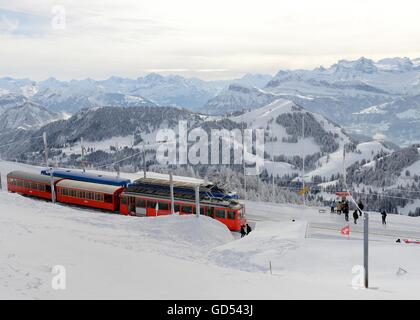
[26,116]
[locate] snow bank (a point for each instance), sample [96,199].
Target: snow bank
[268,242]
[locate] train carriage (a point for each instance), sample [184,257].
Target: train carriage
[151,197]
[30,184]
[101,196]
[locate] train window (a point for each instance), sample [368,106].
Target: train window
[220,213]
[177,208]
[124,201]
[48,189]
[210,212]
[231,215]
[151,204]
[108,198]
[187,209]
[202,210]
[163,206]
[141,203]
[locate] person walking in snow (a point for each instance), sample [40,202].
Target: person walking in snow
[383,213]
[248,229]
[243,232]
[345,209]
[339,207]
[361,207]
[355,216]
[333,206]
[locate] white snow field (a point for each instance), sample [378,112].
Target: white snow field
[109,256]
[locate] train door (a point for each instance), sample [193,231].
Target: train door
[140,205]
[131,205]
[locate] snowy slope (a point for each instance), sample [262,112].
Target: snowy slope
[333,163]
[276,141]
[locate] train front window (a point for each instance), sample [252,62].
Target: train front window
[231,215]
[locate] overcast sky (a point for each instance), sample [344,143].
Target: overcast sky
[210,39]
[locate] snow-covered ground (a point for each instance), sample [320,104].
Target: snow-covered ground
[184,257]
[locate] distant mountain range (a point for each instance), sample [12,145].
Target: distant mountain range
[378,99]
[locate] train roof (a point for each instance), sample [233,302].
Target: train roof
[88,177]
[88,186]
[35,177]
[176,183]
[182,189]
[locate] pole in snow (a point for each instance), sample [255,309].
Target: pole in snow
[44,136]
[52,185]
[366,247]
[303,162]
[144,163]
[83,154]
[197,201]
[171,186]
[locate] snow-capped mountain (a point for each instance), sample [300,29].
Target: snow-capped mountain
[178,91]
[238,97]
[322,146]
[75,95]
[26,116]
[253,80]
[25,87]
[346,90]
[9,100]
[153,89]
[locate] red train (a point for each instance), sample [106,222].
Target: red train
[145,197]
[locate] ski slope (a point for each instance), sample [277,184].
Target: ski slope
[183,257]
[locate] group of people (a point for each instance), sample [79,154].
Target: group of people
[342,206]
[245,230]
